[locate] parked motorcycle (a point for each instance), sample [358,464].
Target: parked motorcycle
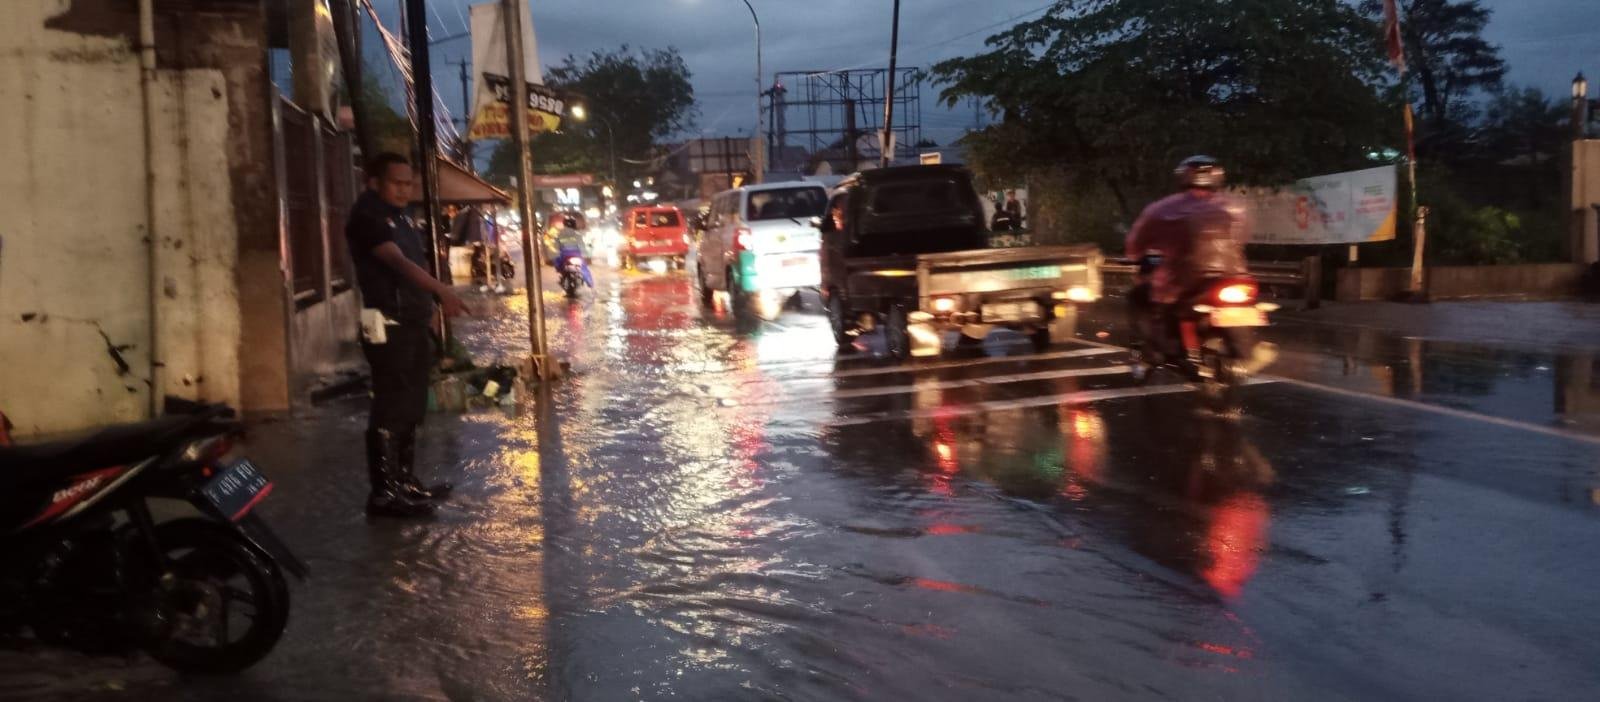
[87,566]
[503,267]
[1208,337]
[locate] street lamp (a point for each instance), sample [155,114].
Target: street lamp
[757,164]
[581,113]
[1581,104]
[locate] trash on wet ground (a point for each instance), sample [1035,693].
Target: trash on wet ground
[474,389]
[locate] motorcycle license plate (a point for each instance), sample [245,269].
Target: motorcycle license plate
[1238,317]
[236,489]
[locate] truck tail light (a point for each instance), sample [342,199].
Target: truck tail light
[743,239]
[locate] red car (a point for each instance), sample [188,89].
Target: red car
[655,233]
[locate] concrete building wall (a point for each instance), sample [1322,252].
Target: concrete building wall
[1526,280]
[1585,183]
[75,274]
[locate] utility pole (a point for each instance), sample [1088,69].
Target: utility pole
[756,170]
[347,30]
[886,144]
[466,114]
[427,135]
[850,135]
[532,251]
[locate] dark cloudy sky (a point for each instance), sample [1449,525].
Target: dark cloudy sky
[1544,41]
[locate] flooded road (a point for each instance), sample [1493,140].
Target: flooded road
[707,511]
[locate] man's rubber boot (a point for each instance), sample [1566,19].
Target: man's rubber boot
[406,455]
[387,498]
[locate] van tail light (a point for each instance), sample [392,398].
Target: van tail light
[1237,293]
[743,239]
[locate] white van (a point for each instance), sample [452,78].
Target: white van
[761,245]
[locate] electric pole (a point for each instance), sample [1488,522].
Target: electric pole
[886,144]
[532,247]
[466,114]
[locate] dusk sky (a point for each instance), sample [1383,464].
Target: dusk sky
[1545,41]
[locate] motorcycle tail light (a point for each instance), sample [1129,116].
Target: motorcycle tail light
[1236,293]
[207,450]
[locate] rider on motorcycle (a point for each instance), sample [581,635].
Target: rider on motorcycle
[569,244]
[1200,234]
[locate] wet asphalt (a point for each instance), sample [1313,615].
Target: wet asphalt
[709,510]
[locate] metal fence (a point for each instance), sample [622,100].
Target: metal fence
[1300,279]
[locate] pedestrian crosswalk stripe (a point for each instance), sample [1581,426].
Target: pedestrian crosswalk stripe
[1071,398]
[941,365]
[974,382]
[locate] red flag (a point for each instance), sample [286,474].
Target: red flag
[1391,35]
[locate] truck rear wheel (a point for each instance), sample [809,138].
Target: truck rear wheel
[838,321]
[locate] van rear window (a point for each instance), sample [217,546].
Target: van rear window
[917,196]
[666,218]
[789,203]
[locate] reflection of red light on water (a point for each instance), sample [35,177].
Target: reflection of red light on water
[947,457]
[942,585]
[1074,491]
[1234,540]
[1086,444]
[1223,650]
[946,529]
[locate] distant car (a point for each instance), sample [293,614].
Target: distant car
[761,245]
[655,233]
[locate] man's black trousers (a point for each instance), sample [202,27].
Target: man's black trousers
[400,371]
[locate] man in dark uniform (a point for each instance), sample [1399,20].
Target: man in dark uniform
[391,261]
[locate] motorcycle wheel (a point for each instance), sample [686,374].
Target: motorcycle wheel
[217,580]
[1219,388]
[569,284]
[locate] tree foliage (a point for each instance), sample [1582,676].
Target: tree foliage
[1450,62]
[633,96]
[1107,95]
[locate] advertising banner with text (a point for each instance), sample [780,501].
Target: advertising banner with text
[1343,208]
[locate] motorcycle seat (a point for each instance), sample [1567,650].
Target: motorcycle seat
[118,445]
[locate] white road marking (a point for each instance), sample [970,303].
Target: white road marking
[1071,398]
[1446,411]
[1416,405]
[917,368]
[974,382]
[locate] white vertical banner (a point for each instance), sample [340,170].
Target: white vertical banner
[491,119]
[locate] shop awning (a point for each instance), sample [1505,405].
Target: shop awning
[458,187]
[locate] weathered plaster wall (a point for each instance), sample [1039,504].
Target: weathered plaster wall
[75,284]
